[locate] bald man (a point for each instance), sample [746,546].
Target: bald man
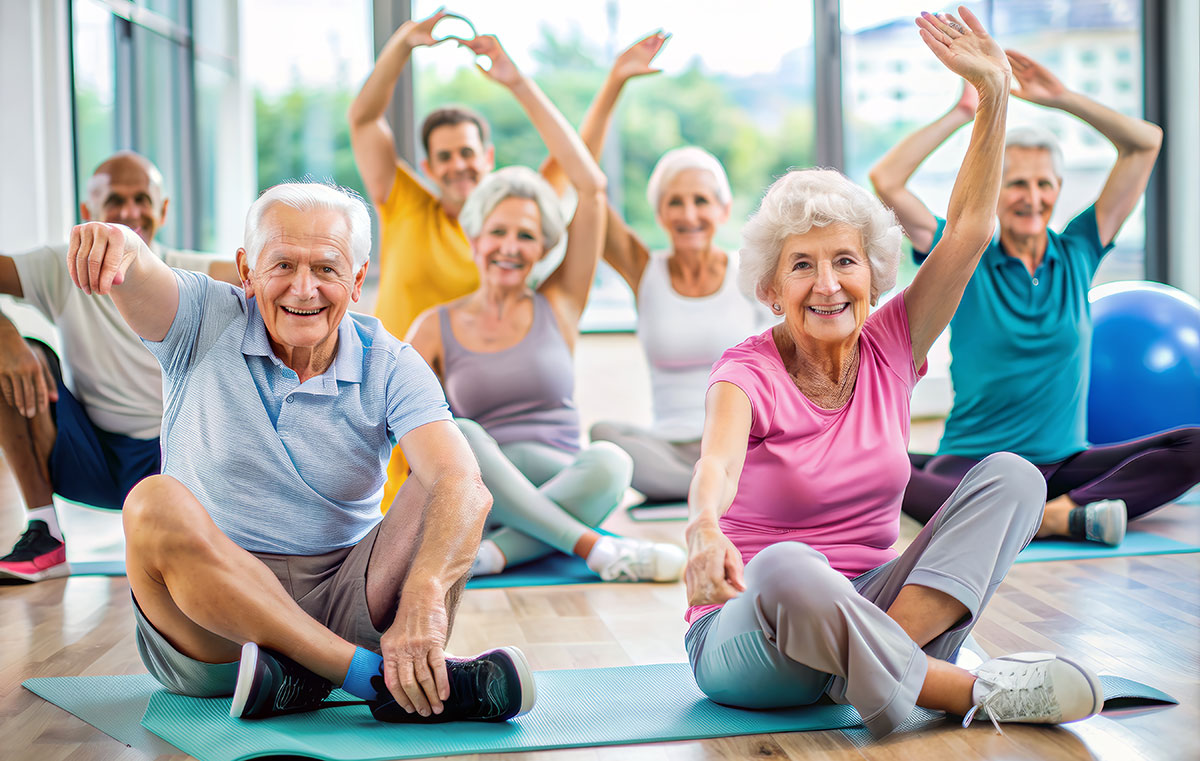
[87,428]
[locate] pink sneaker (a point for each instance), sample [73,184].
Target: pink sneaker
[36,556]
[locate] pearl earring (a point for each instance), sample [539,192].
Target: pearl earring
[776,308]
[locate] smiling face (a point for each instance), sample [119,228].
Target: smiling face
[509,243]
[689,210]
[457,161]
[121,191]
[1028,191]
[303,279]
[822,285]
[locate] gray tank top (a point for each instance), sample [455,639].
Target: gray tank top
[522,393]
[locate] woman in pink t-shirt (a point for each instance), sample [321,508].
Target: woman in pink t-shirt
[795,503]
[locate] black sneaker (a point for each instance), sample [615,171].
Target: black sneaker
[496,685]
[270,684]
[36,556]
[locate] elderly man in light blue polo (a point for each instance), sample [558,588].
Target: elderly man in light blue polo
[259,563]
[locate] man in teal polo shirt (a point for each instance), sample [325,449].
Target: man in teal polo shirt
[1021,338]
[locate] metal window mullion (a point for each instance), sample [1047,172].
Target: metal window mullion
[125,86]
[827,53]
[387,15]
[1155,70]
[189,166]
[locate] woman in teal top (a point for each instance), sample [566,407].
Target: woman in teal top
[1021,338]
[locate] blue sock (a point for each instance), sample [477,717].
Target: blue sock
[363,666]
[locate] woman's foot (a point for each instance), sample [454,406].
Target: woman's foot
[1034,688]
[616,558]
[489,560]
[1102,522]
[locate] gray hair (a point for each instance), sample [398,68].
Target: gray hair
[806,198]
[100,180]
[513,182]
[311,196]
[1037,137]
[680,160]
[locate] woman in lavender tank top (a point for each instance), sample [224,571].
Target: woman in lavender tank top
[504,356]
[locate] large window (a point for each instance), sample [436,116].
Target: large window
[740,88]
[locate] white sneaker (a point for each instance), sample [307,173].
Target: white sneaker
[1035,688]
[616,558]
[1105,521]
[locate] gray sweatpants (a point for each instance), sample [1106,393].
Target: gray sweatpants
[802,630]
[545,499]
[662,469]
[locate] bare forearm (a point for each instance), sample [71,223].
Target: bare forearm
[452,526]
[564,145]
[894,170]
[710,495]
[598,119]
[372,101]
[148,298]
[972,204]
[1128,134]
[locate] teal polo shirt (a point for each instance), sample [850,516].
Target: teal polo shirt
[1021,349]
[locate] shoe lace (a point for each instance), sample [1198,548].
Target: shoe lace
[632,563]
[1013,694]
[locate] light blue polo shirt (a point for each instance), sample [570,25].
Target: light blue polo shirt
[283,466]
[1022,349]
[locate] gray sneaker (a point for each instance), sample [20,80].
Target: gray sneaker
[1036,688]
[1105,521]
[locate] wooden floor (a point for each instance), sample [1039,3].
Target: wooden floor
[1137,617]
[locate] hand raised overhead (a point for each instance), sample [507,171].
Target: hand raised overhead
[635,60]
[1035,83]
[99,255]
[964,46]
[502,70]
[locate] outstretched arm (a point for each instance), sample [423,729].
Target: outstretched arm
[966,49]
[714,568]
[1137,142]
[110,259]
[622,248]
[891,174]
[370,135]
[567,288]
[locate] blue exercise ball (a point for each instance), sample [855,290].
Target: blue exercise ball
[1145,361]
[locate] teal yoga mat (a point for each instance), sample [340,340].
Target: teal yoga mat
[1136,543]
[98,568]
[590,707]
[659,511]
[551,570]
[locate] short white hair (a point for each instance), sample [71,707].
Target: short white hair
[680,160]
[806,198]
[513,182]
[1036,137]
[311,196]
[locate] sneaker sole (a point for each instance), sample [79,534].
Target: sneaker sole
[1093,680]
[524,677]
[248,667]
[53,572]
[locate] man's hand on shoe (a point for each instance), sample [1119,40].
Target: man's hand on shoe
[414,657]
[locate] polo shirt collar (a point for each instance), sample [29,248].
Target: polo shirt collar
[347,363]
[997,258]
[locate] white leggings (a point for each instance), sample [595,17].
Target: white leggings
[545,499]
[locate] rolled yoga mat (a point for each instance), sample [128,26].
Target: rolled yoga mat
[575,708]
[1135,543]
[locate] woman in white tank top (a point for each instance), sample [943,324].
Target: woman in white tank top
[689,307]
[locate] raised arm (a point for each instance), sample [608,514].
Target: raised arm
[1137,142]
[622,248]
[413,647]
[370,134]
[966,49]
[891,174]
[714,570]
[111,260]
[567,287]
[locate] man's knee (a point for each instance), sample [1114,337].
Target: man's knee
[159,509]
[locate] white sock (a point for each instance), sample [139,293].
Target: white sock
[488,560]
[46,513]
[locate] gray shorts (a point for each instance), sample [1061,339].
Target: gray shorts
[332,588]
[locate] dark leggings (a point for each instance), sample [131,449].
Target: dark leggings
[1146,473]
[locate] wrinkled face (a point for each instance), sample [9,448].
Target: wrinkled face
[1028,191]
[689,210]
[457,160]
[510,243]
[304,278]
[823,284]
[122,193]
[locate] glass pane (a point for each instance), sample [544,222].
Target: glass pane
[741,88]
[159,69]
[214,27]
[175,10]
[305,60]
[94,88]
[216,94]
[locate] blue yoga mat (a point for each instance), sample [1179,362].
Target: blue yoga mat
[575,708]
[551,570]
[1136,543]
[98,568]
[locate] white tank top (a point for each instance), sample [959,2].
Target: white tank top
[683,336]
